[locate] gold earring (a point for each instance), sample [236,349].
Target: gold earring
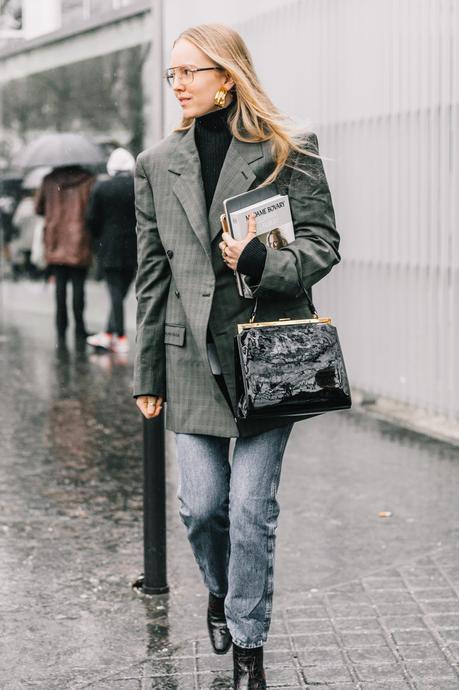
[220,97]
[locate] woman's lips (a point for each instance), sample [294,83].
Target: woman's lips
[184,101]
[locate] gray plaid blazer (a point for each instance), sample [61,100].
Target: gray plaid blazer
[183,286]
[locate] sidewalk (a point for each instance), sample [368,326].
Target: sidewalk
[362,602]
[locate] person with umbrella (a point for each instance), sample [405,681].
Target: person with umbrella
[62,199]
[111,220]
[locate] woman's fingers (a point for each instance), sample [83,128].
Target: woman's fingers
[149,405]
[231,249]
[252,225]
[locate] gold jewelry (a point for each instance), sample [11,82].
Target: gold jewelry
[220,97]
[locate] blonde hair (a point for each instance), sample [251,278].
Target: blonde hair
[255,117]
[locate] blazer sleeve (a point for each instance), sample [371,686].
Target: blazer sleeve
[152,288]
[315,249]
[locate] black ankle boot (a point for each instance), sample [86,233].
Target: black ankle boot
[249,673]
[219,634]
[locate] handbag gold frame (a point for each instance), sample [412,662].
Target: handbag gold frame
[284,322]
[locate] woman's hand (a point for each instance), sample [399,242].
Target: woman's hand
[149,405]
[232,249]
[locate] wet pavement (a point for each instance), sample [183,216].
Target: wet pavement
[362,602]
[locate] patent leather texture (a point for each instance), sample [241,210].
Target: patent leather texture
[290,370]
[249,673]
[219,635]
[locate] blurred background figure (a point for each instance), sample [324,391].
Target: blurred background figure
[26,247]
[62,200]
[10,191]
[111,221]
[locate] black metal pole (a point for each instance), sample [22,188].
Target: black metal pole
[154,507]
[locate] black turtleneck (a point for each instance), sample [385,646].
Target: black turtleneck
[213,137]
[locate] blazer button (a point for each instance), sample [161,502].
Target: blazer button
[170,253]
[177,294]
[206,294]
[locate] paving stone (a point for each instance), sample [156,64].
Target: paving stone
[432,668]
[400,596]
[438,684]
[164,683]
[282,676]
[398,609]
[305,612]
[273,657]
[420,652]
[169,665]
[403,623]
[353,611]
[445,620]
[357,624]
[326,640]
[307,625]
[326,674]
[337,598]
[416,582]
[118,685]
[384,583]
[371,655]
[414,637]
[440,606]
[435,593]
[332,686]
[449,634]
[383,672]
[390,685]
[363,639]
[210,682]
[321,657]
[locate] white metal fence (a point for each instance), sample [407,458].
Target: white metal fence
[379,79]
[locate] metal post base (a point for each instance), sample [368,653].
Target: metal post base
[139,587]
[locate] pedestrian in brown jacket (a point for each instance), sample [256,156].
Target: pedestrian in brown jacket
[62,200]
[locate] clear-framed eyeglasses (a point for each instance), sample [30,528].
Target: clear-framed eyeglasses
[184,73]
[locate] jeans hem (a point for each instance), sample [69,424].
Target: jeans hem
[248,645]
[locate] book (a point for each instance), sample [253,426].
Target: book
[273,222]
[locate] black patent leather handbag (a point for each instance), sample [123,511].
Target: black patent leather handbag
[291,368]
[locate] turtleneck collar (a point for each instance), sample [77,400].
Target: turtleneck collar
[215,121]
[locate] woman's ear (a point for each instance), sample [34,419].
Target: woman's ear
[228,83]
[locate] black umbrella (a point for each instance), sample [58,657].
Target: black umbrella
[58,150]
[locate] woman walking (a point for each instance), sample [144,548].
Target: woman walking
[231,139]
[110,218]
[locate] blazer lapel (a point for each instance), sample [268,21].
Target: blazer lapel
[236,176]
[188,187]
[238,173]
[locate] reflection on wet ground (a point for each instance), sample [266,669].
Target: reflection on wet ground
[71,542]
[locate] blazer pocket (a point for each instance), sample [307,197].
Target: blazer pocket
[174,334]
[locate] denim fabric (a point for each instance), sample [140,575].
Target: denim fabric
[230,512]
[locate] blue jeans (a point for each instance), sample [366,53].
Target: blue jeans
[230,513]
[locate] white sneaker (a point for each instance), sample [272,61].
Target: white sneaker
[103,340]
[120,344]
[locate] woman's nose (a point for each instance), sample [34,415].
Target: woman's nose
[177,84]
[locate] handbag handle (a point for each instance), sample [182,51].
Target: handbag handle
[311,306]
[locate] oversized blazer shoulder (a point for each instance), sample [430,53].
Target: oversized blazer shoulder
[184,289]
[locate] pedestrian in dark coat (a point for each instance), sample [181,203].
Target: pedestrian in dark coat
[111,220]
[62,200]
[231,139]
